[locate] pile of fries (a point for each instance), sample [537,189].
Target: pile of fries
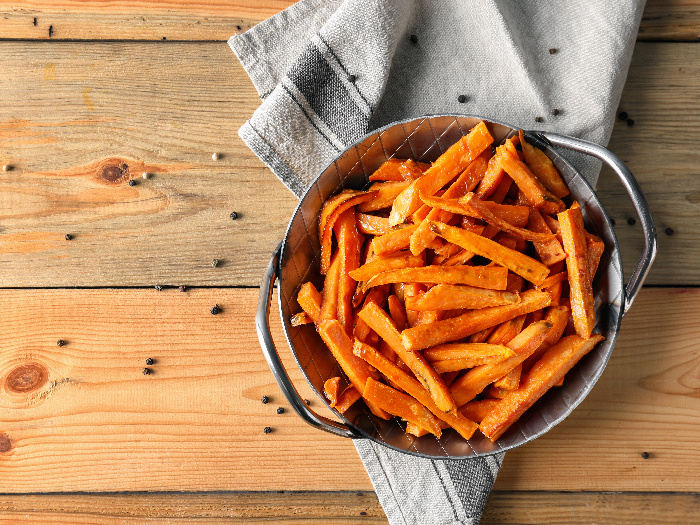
[456,294]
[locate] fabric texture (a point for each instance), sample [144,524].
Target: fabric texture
[329,71]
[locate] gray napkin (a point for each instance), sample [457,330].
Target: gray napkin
[330,71]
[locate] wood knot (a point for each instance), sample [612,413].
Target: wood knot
[113,171]
[27,378]
[5,443]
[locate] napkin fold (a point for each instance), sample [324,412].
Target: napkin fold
[329,71]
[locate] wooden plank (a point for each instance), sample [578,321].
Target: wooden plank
[179,219]
[661,96]
[502,508]
[219,19]
[77,123]
[93,422]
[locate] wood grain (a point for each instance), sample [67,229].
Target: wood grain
[82,417]
[219,19]
[312,508]
[71,110]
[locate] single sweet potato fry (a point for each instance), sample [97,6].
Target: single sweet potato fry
[515,216]
[494,175]
[378,265]
[397,312]
[385,196]
[543,168]
[448,166]
[536,193]
[596,247]
[466,387]
[505,332]
[398,170]
[300,319]
[511,380]
[377,296]
[380,322]
[491,277]
[574,240]
[453,296]
[399,404]
[549,251]
[348,398]
[329,301]
[559,317]
[519,263]
[394,241]
[349,250]
[478,410]
[310,299]
[553,365]
[331,389]
[327,232]
[373,225]
[420,337]
[413,387]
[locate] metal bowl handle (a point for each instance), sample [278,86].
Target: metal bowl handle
[635,193]
[262,324]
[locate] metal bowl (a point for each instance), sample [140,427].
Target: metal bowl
[296,260]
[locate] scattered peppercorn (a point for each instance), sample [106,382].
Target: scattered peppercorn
[34,21]
[149,361]
[215,309]
[214,263]
[462,99]
[539,119]
[363,513]
[215,156]
[552,50]
[307,402]
[612,221]
[6,167]
[264,400]
[60,342]
[68,236]
[631,221]
[280,410]
[414,39]
[630,122]
[146,371]
[50,31]
[132,182]
[622,115]
[669,231]
[352,79]
[645,455]
[182,288]
[159,288]
[555,112]
[233,215]
[239,28]
[267,430]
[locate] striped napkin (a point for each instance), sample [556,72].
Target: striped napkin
[329,71]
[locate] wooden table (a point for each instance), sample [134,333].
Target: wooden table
[93,94]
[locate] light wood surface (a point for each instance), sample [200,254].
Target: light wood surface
[219,19]
[197,422]
[100,91]
[68,163]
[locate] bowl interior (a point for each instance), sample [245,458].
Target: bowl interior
[424,139]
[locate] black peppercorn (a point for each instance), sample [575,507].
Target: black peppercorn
[631,221]
[622,115]
[233,216]
[307,402]
[146,371]
[539,119]
[462,99]
[60,342]
[612,221]
[132,182]
[414,39]
[215,309]
[149,361]
[630,122]
[645,455]
[68,236]
[159,288]
[280,410]
[669,231]
[363,513]
[267,430]
[555,112]
[352,79]
[552,50]
[182,288]
[264,400]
